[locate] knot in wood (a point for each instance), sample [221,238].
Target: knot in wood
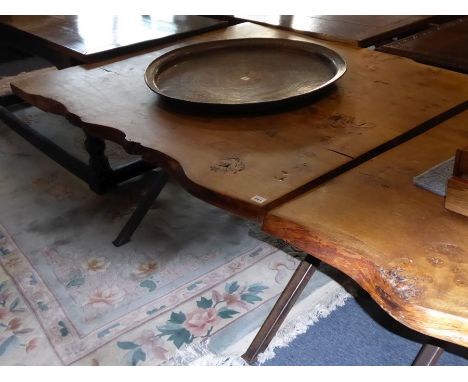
[228,165]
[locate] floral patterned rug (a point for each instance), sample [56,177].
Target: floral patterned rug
[192,273]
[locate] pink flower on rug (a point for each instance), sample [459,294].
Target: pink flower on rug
[200,320]
[282,269]
[235,266]
[98,264]
[216,296]
[146,269]
[105,297]
[152,344]
[4,296]
[234,300]
[32,345]
[14,324]
[12,263]
[3,313]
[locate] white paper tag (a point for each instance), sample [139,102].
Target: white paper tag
[258,199]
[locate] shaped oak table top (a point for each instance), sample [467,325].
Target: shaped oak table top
[249,164]
[395,239]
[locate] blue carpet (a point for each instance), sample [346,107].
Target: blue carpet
[359,333]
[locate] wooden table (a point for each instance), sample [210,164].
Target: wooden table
[89,38]
[252,164]
[356,30]
[396,240]
[445,45]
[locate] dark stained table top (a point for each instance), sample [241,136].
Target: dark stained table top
[88,38]
[357,30]
[444,45]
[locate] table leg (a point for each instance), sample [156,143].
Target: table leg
[428,355]
[286,301]
[101,174]
[157,184]
[97,173]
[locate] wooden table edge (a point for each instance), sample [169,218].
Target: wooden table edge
[155,157]
[328,249]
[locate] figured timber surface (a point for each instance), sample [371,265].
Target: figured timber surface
[361,30]
[5,88]
[247,163]
[90,37]
[395,239]
[444,45]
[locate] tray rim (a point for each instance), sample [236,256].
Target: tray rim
[333,56]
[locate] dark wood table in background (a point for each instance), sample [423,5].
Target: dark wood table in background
[356,30]
[90,38]
[444,45]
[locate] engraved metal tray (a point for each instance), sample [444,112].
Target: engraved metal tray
[240,72]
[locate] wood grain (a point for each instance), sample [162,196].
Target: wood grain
[5,89]
[395,239]
[364,30]
[445,45]
[460,167]
[88,38]
[250,163]
[456,199]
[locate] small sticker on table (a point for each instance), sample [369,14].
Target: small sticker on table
[258,199]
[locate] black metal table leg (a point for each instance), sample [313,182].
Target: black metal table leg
[286,301]
[428,355]
[157,184]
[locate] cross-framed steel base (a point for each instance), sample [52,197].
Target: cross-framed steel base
[157,183]
[427,356]
[283,305]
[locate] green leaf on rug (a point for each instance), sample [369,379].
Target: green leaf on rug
[138,355]
[2,285]
[194,285]
[76,282]
[250,298]
[256,252]
[127,345]
[7,343]
[150,284]
[42,306]
[204,303]
[231,287]
[63,329]
[180,337]
[177,318]
[256,288]
[14,304]
[32,280]
[225,312]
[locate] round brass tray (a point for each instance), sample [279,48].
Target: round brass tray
[240,72]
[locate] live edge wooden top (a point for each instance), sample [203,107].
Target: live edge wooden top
[395,239]
[230,161]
